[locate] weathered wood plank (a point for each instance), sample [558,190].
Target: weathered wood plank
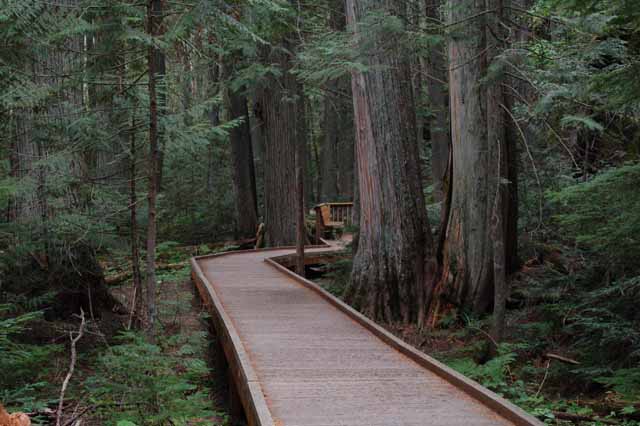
[308,359]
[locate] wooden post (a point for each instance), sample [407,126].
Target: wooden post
[319,225]
[300,228]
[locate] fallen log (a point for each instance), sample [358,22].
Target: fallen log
[124,276]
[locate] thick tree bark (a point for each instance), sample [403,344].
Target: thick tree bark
[436,77]
[479,163]
[337,161]
[524,91]
[154,16]
[329,149]
[279,111]
[468,249]
[395,250]
[244,178]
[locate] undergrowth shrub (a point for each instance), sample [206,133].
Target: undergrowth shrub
[138,383]
[598,310]
[338,275]
[23,366]
[603,216]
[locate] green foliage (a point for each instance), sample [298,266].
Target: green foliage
[23,365]
[138,382]
[338,276]
[625,381]
[327,56]
[497,374]
[606,327]
[492,374]
[602,215]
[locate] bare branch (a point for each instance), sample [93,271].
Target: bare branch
[72,366]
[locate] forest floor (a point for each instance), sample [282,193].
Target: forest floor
[121,378]
[185,336]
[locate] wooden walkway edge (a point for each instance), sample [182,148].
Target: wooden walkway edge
[247,381]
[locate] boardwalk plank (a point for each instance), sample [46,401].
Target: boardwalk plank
[314,365]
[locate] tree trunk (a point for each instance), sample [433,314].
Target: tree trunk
[300,225]
[498,179]
[257,139]
[436,76]
[479,163]
[329,149]
[160,69]
[244,178]
[137,306]
[154,16]
[279,113]
[337,161]
[395,249]
[214,120]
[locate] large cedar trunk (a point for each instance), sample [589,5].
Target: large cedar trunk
[244,179]
[479,164]
[395,249]
[280,113]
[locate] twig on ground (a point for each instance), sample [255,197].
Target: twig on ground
[80,414]
[562,359]
[544,379]
[72,366]
[133,307]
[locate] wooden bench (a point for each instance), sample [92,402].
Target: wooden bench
[331,216]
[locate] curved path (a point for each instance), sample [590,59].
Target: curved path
[300,357]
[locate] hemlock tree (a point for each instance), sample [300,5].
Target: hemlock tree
[394,260]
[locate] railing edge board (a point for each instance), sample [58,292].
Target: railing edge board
[249,389]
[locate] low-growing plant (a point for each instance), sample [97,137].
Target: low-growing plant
[137,382]
[23,365]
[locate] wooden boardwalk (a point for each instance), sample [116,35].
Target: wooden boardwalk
[299,357]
